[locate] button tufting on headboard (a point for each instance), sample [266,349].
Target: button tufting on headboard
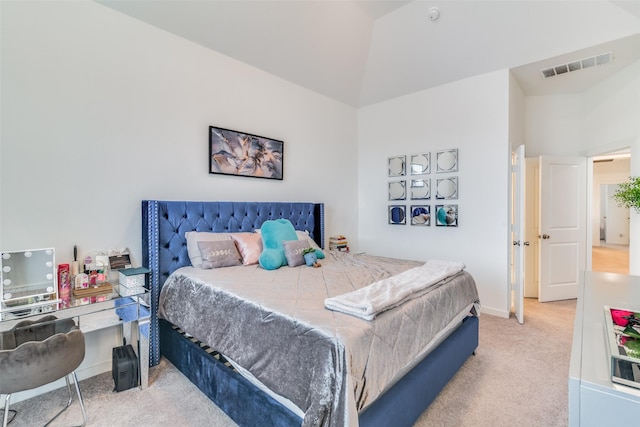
[164,224]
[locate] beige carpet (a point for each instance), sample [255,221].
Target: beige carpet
[517,377]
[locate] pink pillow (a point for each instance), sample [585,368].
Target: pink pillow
[249,245]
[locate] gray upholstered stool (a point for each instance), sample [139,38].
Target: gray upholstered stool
[33,354]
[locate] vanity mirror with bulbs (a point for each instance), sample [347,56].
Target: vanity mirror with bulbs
[28,282]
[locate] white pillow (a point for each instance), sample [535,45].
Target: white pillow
[193,237]
[304,235]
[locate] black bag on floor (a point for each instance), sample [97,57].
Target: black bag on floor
[124,367]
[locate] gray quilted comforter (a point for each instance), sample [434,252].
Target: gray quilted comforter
[274,324]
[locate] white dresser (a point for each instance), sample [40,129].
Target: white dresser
[593,399]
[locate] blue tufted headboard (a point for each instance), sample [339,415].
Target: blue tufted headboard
[164,246]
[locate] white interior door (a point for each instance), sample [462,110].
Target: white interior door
[531,221]
[518,242]
[562,239]
[616,219]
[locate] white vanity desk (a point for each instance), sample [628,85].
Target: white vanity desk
[593,399]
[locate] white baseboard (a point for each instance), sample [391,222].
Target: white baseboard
[494,312]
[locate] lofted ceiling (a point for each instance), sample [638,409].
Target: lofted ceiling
[364,52]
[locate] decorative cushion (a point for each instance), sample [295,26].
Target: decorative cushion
[293,251]
[249,245]
[274,233]
[304,235]
[219,254]
[193,237]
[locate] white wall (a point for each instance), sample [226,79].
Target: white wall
[472,116]
[602,119]
[100,111]
[610,112]
[516,114]
[553,125]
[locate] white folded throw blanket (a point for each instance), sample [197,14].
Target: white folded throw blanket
[387,293]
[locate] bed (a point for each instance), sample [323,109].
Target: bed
[194,351]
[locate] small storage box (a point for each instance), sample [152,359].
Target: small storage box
[131,281]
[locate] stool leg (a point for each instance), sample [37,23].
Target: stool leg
[84,413]
[65,406]
[6,410]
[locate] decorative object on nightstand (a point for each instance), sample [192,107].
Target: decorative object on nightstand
[338,243]
[132,281]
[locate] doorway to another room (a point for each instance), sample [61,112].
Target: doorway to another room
[609,240]
[610,228]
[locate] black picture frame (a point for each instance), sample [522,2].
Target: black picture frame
[243,154]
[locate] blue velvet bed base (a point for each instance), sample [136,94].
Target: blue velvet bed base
[400,406]
[164,250]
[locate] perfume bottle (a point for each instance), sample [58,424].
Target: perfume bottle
[64,282]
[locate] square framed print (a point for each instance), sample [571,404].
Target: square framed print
[446,215]
[447,161]
[397,166]
[420,164]
[420,189]
[397,214]
[421,215]
[397,190]
[243,154]
[447,188]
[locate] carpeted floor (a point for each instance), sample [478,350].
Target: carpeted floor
[518,377]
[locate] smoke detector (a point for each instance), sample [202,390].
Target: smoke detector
[434,13]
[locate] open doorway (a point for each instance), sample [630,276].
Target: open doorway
[610,222]
[609,254]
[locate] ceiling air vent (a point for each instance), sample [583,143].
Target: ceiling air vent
[580,64]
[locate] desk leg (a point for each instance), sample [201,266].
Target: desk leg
[143,350]
[126,332]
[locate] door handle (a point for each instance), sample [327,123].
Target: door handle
[546,236]
[516,243]
[526,243]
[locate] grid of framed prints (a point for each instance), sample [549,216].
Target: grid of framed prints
[410,179]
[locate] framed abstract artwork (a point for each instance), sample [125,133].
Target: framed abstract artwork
[446,215]
[243,154]
[397,214]
[421,215]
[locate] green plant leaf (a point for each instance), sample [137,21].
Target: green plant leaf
[628,194]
